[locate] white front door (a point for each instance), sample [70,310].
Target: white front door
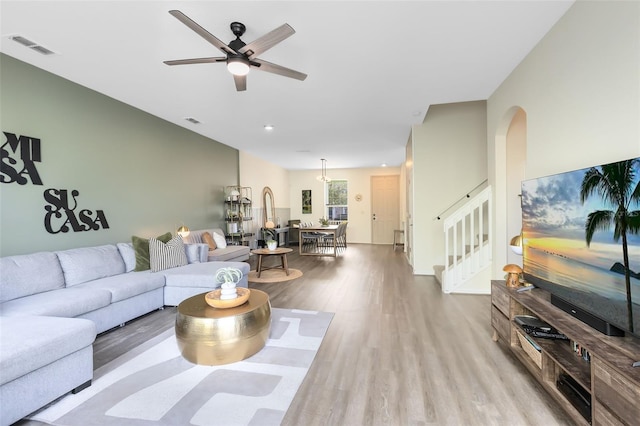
[385,208]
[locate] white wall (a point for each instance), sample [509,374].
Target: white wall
[449,160]
[359,229]
[256,174]
[580,90]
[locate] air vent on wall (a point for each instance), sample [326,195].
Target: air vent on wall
[192,120]
[31,45]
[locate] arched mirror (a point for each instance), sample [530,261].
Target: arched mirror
[269,207]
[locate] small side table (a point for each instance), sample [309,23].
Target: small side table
[280,251]
[396,233]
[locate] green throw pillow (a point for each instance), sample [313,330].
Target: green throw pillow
[141,247]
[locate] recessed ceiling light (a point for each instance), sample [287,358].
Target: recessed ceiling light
[268,127]
[383,165]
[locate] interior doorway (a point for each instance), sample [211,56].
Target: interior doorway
[385,208]
[516,148]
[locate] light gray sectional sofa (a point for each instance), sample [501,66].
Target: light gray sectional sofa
[235,253]
[52,305]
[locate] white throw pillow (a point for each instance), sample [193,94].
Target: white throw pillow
[221,242]
[128,255]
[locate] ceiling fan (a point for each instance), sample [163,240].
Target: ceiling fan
[240,57]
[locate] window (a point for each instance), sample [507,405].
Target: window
[337,197]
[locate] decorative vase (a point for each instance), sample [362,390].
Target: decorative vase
[272,245]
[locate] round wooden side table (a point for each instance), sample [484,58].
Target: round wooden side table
[211,336]
[280,251]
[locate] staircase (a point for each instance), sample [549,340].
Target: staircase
[468,247]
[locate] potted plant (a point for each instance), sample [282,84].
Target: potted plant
[324,221]
[228,278]
[272,244]
[228,275]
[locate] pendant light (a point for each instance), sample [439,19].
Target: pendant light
[324,177]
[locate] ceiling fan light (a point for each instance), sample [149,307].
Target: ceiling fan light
[238,66]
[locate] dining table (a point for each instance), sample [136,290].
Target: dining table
[318,233]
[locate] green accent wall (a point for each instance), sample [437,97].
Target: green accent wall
[147,175]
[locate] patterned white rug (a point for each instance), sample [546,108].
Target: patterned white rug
[153,385]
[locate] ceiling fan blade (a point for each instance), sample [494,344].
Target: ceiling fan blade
[267,41]
[201,31]
[241,82]
[195,61]
[278,69]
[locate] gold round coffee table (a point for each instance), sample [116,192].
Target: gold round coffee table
[211,336]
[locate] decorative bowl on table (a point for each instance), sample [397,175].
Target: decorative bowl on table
[213,298]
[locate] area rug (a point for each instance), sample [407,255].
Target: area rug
[274,276]
[153,385]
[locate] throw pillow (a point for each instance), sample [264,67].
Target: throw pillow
[141,247]
[193,252]
[128,255]
[207,238]
[221,242]
[166,255]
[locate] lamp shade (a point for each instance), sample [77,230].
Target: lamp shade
[183,231]
[516,244]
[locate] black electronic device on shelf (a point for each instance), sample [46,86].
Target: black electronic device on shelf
[576,395]
[535,327]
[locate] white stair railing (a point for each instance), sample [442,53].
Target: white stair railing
[467,241]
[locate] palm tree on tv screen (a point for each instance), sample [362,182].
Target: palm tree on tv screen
[613,182]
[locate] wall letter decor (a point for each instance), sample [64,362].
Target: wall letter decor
[61,216]
[17,159]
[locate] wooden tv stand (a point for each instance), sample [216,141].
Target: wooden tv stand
[608,378]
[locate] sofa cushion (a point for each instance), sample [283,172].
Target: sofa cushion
[202,274]
[128,255]
[192,251]
[141,247]
[220,240]
[228,253]
[196,253]
[89,263]
[195,236]
[165,256]
[125,286]
[28,274]
[208,239]
[29,343]
[65,302]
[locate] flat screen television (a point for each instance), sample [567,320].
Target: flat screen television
[581,243]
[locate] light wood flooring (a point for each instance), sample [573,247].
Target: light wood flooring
[398,351]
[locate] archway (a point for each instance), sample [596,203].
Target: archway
[509,162]
[516,162]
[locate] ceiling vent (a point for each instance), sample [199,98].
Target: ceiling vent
[192,120]
[31,45]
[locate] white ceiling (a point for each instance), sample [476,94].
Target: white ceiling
[373,67]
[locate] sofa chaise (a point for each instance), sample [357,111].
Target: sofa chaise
[53,304]
[219,250]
